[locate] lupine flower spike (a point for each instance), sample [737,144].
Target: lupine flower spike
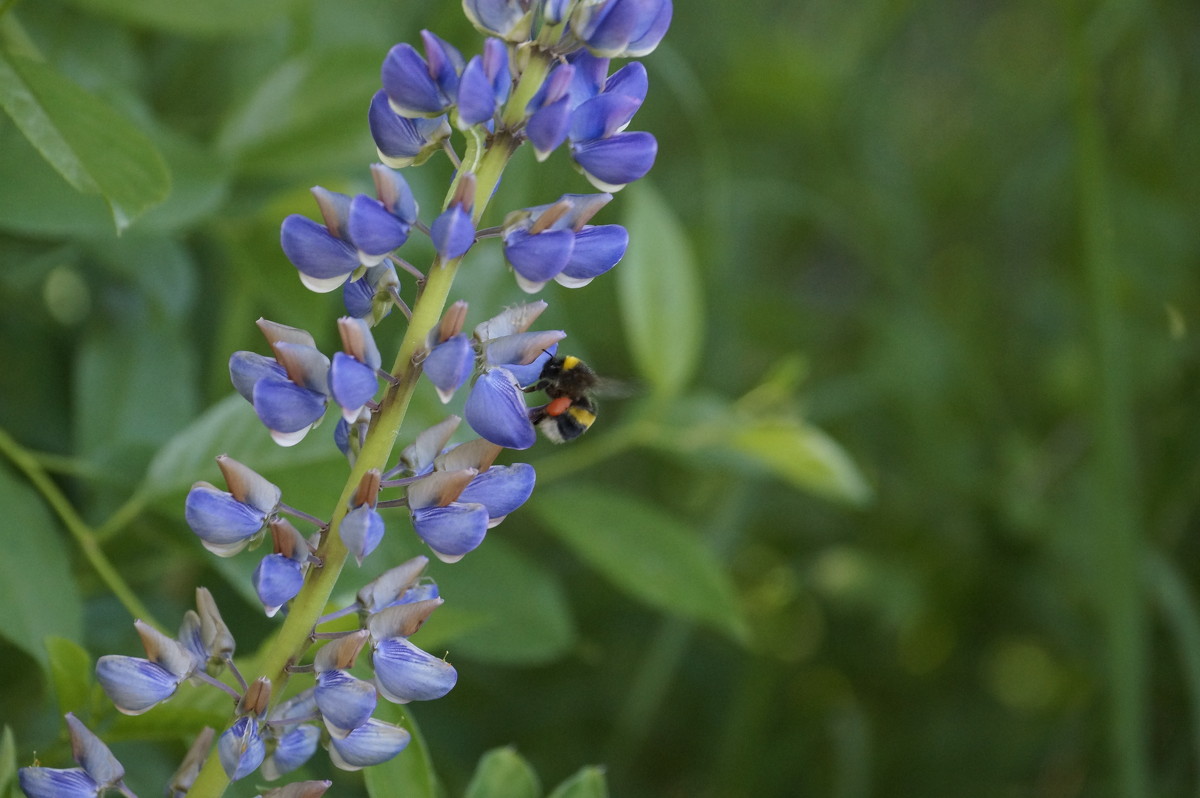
[543,76]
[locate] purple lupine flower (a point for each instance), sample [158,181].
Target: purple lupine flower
[401,141]
[99,771]
[399,585]
[501,489]
[349,437]
[372,743]
[241,748]
[344,701]
[290,393]
[292,749]
[620,28]
[324,255]
[362,530]
[419,456]
[611,163]
[277,580]
[371,294]
[449,364]
[453,232]
[422,87]
[403,672]
[362,527]
[550,112]
[226,521]
[508,19]
[203,633]
[280,575]
[484,84]
[133,684]
[295,742]
[353,373]
[555,242]
[40,782]
[379,226]
[451,358]
[449,527]
[496,410]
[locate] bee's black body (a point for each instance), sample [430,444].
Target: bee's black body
[568,382]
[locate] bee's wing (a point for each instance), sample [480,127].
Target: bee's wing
[608,388]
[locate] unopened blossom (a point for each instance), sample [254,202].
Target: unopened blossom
[362,527]
[189,769]
[422,87]
[453,231]
[280,574]
[451,357]
[484,84]
[370,296]
[203,632]
[378,225]
[354,372]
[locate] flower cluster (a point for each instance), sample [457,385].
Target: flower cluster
[542,77]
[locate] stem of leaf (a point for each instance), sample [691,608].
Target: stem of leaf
[84,535]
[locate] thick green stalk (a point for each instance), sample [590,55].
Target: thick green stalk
[1117,534]
[486,159]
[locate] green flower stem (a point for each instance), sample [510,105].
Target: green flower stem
[532,77]
[84,536]
[486,158]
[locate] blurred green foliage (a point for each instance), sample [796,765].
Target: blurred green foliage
[912,304]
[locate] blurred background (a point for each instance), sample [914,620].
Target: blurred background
[915,395]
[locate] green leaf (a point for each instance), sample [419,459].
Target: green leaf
[802,455]
[489,588]
[503,773]
[71,670]
[95,148]
[37,591]
[284,122]
[411,772]
[661,300]
[653,557]
[587,782]
[133,389]
[194,17]
[230,427]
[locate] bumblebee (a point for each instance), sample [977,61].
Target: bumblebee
[569,382]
